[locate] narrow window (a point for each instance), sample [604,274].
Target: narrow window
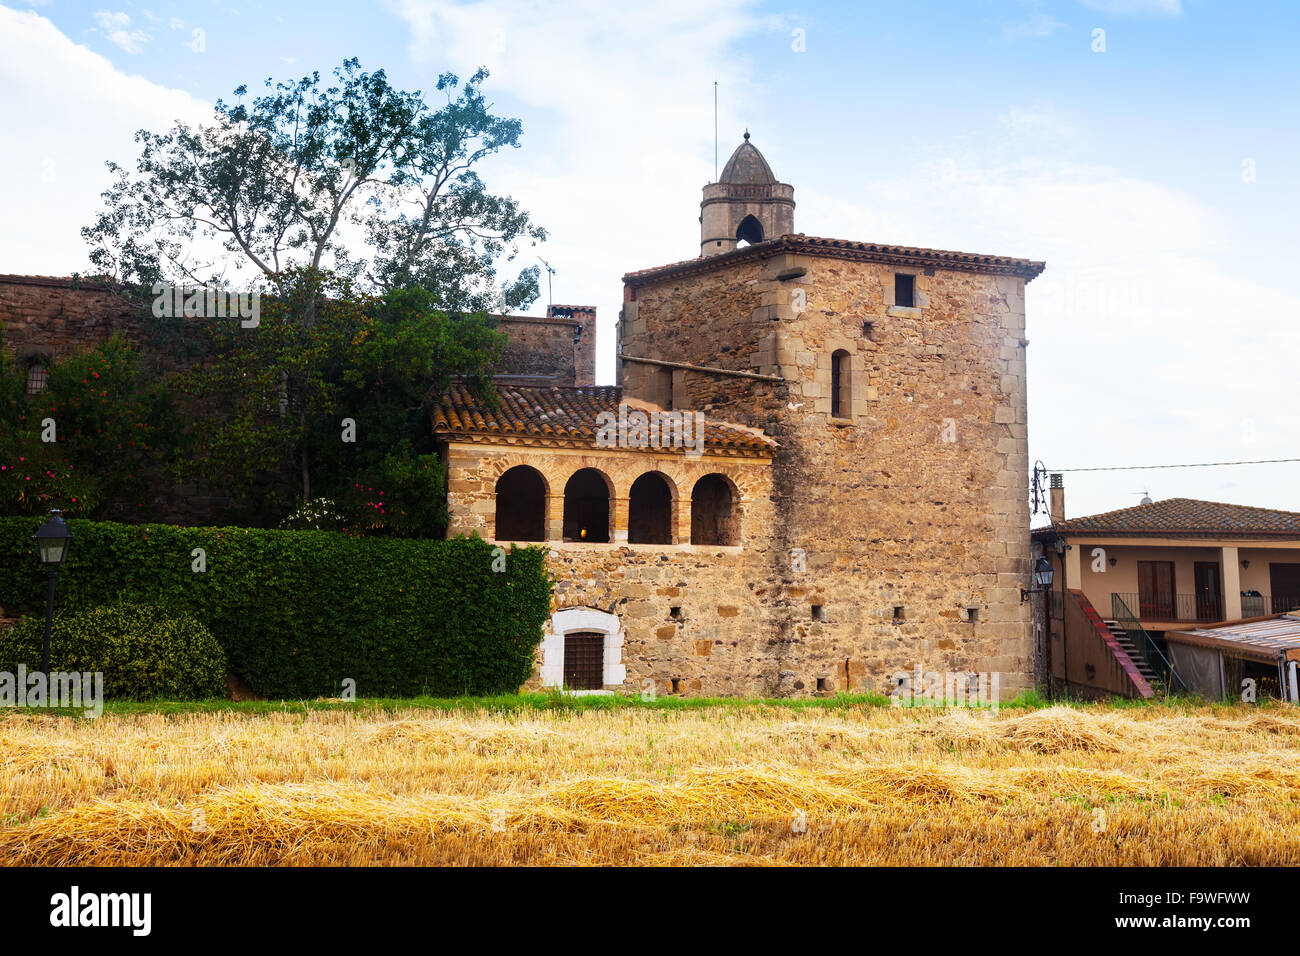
[840,384]
[35,378]
[818,613]
[898,613]
[904,289]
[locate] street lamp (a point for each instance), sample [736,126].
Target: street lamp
[52,541]
[1043,575]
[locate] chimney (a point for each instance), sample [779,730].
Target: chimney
[1056,502]
[584,339]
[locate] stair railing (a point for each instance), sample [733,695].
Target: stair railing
[1146,647]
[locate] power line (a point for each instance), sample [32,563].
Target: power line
[1201,464]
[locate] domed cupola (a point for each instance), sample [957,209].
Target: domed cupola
[745,205]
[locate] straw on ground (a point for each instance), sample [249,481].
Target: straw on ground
[1071,786]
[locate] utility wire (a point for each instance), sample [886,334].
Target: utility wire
[1201,464]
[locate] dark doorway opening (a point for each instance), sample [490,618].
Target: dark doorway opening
[521,505]
[713,517]
[1284,583]
[650,511]
[586,507]
[1209,604]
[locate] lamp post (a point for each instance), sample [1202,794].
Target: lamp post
[52,541]
[1043,575]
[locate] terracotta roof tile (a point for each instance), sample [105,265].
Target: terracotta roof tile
[847,249]
[1187,516]
[568,415]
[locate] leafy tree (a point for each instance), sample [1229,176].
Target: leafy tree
[359,212]
[345,399]
[109,424]
[277,182]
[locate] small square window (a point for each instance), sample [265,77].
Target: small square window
[972,615]
[904,290]
[675,613]
[818,612]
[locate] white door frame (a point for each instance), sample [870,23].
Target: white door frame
[572,619]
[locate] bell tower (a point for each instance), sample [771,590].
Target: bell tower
[746,204]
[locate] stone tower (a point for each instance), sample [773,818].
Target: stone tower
[745,204]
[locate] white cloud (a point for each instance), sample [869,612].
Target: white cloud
[1036,24]
[66,110]
[1164,8]
[117,29]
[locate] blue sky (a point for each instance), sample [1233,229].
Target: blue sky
[1158,177]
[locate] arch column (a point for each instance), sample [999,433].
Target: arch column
[618,520]
[555,516]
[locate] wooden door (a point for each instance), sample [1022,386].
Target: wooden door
[1284,583]
[584,661]
[1156,590]
[1209,604]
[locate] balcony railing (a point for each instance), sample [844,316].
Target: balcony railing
[1197,607]
[1166,678]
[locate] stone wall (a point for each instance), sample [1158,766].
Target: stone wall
[692,613]
[52,317]
[915,500]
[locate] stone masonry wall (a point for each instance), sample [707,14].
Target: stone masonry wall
[916,499]
[698,614]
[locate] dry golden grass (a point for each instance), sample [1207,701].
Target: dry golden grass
[756,786]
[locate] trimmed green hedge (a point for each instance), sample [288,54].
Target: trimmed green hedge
[143,652]
[300,612]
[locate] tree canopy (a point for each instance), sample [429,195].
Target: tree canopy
[352,176]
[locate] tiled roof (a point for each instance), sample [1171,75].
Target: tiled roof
[1187,516]
[567,415]
[846,249]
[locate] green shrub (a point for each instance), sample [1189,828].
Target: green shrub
[300,612]
[143,652]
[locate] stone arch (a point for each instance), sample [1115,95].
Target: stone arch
[588,511]
[652,509]
[715,511]
[750,230]
[521,494]
[582,622]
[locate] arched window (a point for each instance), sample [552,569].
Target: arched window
[841,375]
[586,507]
[750,230]
[713,515]
[36,376]
[521,505]
[650,510]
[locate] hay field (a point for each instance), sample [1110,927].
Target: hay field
[756,785]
